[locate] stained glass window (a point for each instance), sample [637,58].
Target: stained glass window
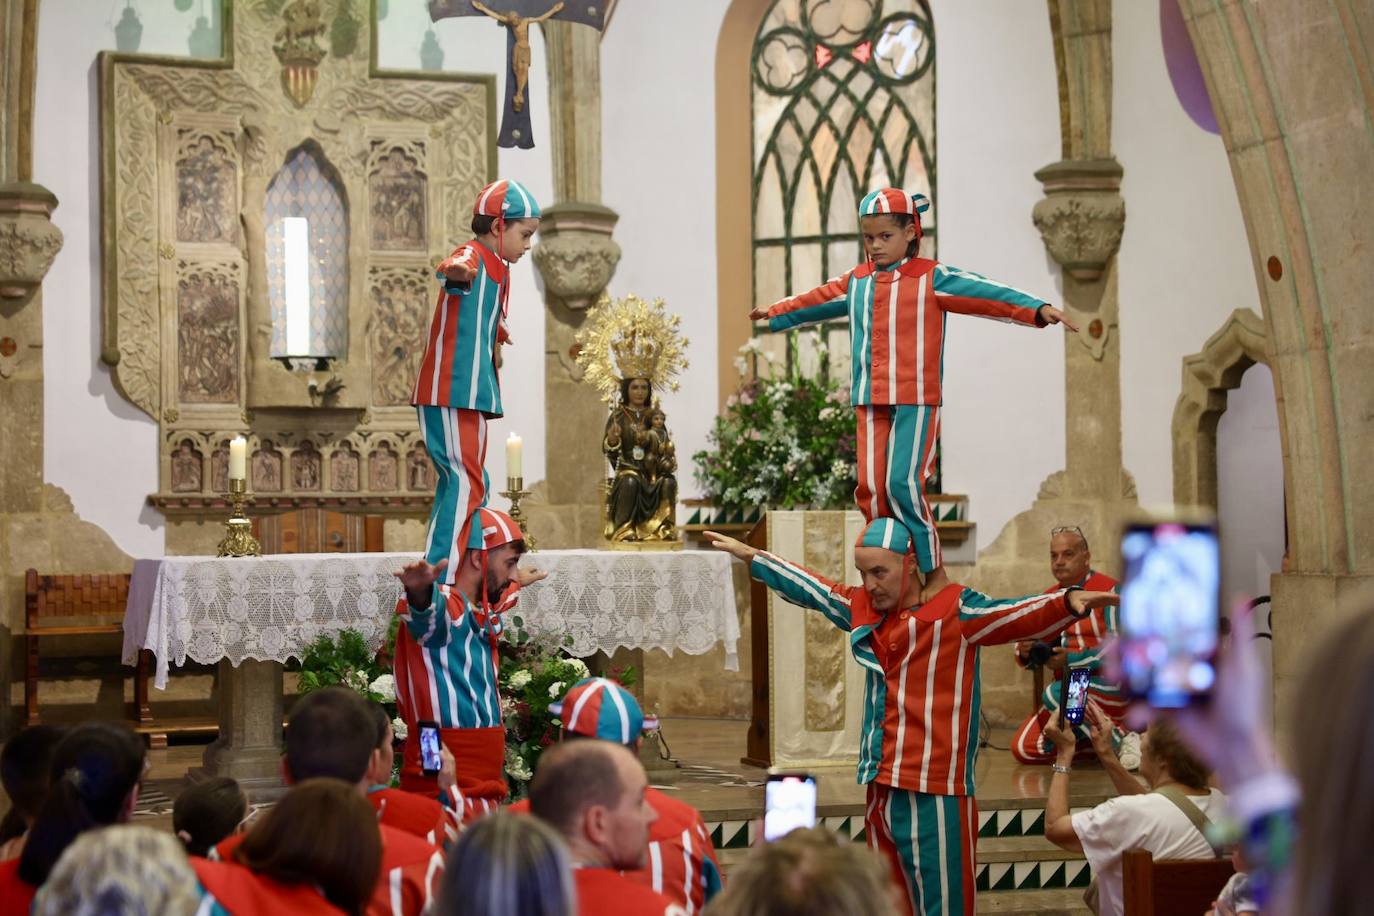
[843,102]
[307,188]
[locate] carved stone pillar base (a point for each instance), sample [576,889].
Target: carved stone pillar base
[249,746]
[28,240]
[576,255]
[1082,215]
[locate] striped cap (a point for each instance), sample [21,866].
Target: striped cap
[492,528]
[887,533]
[600,708]
[893,200]
[507,198]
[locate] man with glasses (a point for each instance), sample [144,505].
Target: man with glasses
[1081,645]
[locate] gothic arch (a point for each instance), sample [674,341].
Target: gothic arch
[1239,344]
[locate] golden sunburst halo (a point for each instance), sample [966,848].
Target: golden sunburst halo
[631,338]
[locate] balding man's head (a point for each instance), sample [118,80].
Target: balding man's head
[887,567]
[1069,557]
[593,792]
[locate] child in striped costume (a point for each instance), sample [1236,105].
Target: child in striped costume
[919,741]
[446,662]
[681,863]
[459,386]
[896,304]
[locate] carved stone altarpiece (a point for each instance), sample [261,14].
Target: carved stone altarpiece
[189,150]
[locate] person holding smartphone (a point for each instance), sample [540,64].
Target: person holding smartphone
[918,745]
[446,663]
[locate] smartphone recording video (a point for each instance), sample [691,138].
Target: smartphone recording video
[789,802]
[1074,699]
[430,761]
[1170,612]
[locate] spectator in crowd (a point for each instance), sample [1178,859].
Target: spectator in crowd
[207,812]
[97,769]
[121,871]
[809,872]
[593,793]
[681,863]
[331,734]
[25,768]
[1168,819]
[505,865]
[417,814]
[317,851]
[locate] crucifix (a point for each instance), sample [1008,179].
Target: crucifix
[517,16]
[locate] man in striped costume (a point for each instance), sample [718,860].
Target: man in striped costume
[459,386]
[919,739]
[896,304]
[681,862]
[1083,645]
[446,662]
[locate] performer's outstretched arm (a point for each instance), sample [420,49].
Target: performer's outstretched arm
[1092,657]
[969,293]
[824,303]
[425,614]
[993,621]
[797,584]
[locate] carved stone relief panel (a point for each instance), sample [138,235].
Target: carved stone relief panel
[397,192]
[400,315]
[208,333]
[307,468]
[188,466]
[219,468]
[207,187]
[383,473]
[419,469]
[344,469]
[266,472]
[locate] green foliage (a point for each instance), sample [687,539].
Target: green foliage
[343,660]
[784,441]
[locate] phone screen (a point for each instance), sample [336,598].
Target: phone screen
[1076,695]
[789,802]
[430,761]
[1170,600]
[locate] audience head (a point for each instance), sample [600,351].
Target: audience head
[384,754]
[809,872]
[95,775]
[1163,755]
[593,793]
[598,707]
[207,812]
[505,865]
[1332,747]
[120,871]
[886,562]
[331,734]
[25,769]
[323,833]
[1069,557]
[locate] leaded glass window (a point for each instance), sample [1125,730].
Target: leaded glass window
[843,102]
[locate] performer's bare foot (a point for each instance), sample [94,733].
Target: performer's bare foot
[936,581]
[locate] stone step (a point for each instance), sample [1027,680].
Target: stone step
[1067,902]
[1023,849]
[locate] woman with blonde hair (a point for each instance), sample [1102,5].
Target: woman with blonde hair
[120,870]
[508,865]
[809,872]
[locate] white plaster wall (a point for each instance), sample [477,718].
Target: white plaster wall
[1250,486]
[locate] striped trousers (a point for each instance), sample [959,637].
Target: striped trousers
[896,454]
[456,439]
[929,843]
[1030,746]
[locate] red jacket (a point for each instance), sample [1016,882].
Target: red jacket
[16,895]
[606,892]
[241,892]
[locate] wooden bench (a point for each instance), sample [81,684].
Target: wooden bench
[1170,887]
[83,605]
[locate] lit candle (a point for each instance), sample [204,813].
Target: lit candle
[238,458]
[515,456]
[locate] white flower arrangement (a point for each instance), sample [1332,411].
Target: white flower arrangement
[398,729]
[385,687]
[520,679]
[580,667]
[556,689]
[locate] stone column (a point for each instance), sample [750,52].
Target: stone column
[249,746]
[576,257]
[1294,106]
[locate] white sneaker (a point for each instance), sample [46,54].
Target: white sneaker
[1129,751]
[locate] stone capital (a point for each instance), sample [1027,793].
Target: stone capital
[28,240]
[1082,215]
[576,255]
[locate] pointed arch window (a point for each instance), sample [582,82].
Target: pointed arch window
[843,101]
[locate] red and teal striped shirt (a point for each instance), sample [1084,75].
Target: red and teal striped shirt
[459,368]
[921,666]
[897,323]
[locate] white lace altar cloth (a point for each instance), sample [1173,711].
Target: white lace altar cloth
[270,608]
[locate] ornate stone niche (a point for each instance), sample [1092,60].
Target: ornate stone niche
[200,162]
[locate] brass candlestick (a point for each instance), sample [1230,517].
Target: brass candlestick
[238,538]
[515,491]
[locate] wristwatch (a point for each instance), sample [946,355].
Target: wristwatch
[1058,769]
[1075,588]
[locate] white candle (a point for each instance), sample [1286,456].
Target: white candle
[296,284]
[515,456]
[238,458]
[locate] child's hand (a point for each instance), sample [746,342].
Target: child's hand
[1052,315]
[759,312]
[461,266]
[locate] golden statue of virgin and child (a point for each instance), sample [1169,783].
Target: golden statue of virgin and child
[630,350]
